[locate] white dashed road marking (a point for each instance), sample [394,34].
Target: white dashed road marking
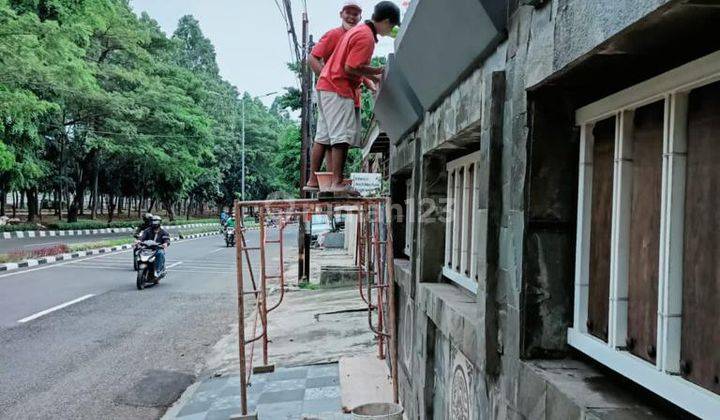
[54,308]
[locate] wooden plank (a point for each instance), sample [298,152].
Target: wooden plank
[600,227]
[700,352]
[644,235]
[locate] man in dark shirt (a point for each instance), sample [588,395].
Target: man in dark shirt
[159,235]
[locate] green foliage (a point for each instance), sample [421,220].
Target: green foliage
[91,94]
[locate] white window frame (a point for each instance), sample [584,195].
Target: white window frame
[461,242]
[409,216]
[663,376]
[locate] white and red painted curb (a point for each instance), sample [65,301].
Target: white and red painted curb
[79,254]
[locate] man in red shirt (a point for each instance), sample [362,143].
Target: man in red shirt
[320,54]
[350,16]
[338,87]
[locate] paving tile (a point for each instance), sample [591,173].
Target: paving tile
[222,414]
[286,385]
[282,375]
[231,390]
[212,384]
[194,407]
[328,392]
[283,410]
[321,406]
[319,371]
[326,416]
[322,381]
[281,396]
[256,388]
[221,403]
[196,416]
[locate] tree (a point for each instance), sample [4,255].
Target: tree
[98,102]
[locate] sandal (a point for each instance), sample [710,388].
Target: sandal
[345,191]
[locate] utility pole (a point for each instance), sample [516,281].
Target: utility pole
[305,116]
[242,147]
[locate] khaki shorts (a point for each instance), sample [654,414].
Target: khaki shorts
[338,120]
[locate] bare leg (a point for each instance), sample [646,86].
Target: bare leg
[328,158]
[316,158]
[339,154]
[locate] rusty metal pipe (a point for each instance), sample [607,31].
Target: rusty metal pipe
[282,270]
[390,258]
[378,279]
[263,287]
[241,322]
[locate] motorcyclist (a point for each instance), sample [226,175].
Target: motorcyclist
[159,235]
[146,221]
[223,218]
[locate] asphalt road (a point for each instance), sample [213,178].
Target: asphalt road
[114,351]
[26,244]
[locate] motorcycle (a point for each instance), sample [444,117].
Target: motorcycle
[147,253]
[136,252]
[229,237]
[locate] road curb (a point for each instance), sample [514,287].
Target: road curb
[71,256]
[22,234]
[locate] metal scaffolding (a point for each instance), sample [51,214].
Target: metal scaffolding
[373,257]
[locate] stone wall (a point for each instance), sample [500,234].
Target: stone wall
[464,355]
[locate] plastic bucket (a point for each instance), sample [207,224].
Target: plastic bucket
[381,410]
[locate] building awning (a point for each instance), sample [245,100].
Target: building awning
[436,45]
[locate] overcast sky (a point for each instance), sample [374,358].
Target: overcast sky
[250,39]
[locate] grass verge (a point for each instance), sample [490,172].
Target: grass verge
[100,244]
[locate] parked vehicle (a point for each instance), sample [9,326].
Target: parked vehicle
[147,253]
[230,236]
[319,226]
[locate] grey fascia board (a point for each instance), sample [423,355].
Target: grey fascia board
[440,42]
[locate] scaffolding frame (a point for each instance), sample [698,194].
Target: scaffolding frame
[376,272]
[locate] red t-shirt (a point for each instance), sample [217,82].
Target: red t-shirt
[354,50]
[325,47]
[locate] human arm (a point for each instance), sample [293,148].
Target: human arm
[358,59]
[164,238]
[316,65]
[370,84]
[365,71]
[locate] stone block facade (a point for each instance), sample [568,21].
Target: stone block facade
[501,352]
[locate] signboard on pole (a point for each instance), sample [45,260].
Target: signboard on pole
[367,184]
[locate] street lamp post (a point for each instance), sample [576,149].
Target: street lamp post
[242,144]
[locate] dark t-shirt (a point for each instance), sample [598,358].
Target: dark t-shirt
[161,237]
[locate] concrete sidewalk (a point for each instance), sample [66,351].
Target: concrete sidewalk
[316,337]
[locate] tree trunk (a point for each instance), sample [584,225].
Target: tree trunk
[141,202]
[14,205]
[22,199]
[171,211]
[93,215]
[111,207]
[57,203]
[2,202]
[129,207]
[31,204]
[152,204]
[188,206]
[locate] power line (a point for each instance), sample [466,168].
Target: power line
[291,29]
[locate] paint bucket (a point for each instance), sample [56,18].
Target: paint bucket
[324,180]
[383,410]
